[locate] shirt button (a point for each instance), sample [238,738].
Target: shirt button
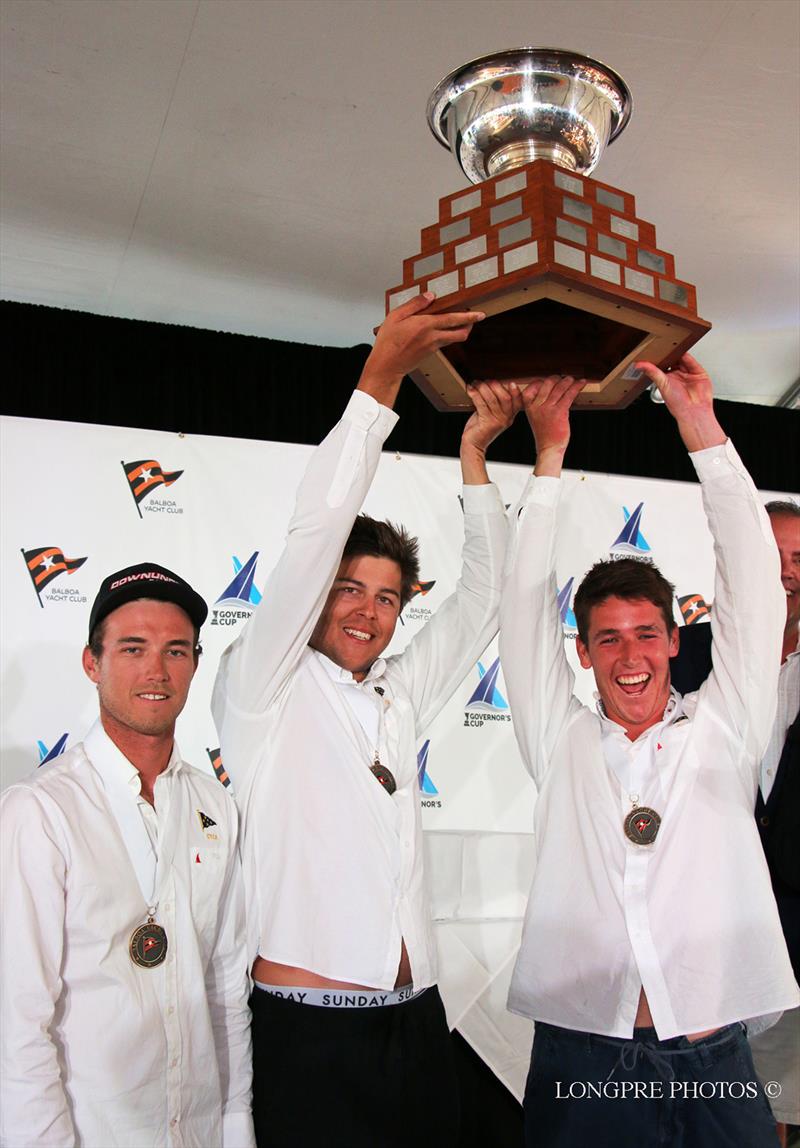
[765,820]
[174,1062]
[170,1010]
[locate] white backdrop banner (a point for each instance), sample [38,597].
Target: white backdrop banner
[81,501]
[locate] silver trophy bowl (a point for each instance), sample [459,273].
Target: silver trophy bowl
[507,109]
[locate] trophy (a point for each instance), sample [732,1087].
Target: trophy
[570,279]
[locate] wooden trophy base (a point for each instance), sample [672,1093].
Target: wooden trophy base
[571,284]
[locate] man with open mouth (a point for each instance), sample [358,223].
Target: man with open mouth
[319,734]
[651,932]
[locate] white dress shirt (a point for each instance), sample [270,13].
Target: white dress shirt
[97,1052]
[333,864]
[691,918]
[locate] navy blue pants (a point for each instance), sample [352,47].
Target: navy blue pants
[593,1090]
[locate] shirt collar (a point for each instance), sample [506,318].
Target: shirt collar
[116,772]
[672,711]
[339,674]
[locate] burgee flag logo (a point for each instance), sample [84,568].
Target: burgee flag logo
[693,608]
[145,475]
[215,757]
[45,563]
[419,612]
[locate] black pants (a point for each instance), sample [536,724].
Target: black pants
[585,1089]
[353,1078]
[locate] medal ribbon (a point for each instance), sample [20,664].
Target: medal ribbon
[149,877]
[637,771]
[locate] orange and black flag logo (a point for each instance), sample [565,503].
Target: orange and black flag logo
[422,588]
[145,475]
[215,757]
[693,607]
[46,563]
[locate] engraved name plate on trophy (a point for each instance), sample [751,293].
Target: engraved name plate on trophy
[571,280]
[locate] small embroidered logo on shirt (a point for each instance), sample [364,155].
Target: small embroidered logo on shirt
[205,821]
[197,859]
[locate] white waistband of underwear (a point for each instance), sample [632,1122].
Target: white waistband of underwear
[341,998]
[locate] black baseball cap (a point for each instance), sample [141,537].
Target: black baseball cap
[147,580]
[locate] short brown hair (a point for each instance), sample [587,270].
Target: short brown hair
[779,507]
[623,578]
[386,540]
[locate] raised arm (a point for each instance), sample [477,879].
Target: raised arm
[538,679]
[446,649]
[749,603]
[329,497]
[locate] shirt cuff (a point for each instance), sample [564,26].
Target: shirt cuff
[237,1130]
[716,460]
[368,414]
[482,499]
[541,490]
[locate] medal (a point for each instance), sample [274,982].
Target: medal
[641,825]
[148,945]
[384,775]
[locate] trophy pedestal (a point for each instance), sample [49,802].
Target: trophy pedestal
[570,279]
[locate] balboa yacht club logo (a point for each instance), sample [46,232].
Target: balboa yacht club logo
[568,621]
[240,597]
[694,608]
[45,564]
[417,613]
[144,477]
[428,791]
[215,757]
[486,702]
[630,542]
[55,751]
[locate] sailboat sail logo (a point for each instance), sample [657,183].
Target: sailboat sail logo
[630,542]
[486,698]
[425,783]
[55,750]
[240,597]
[567,614]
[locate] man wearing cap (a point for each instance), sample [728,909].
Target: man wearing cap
[124,998]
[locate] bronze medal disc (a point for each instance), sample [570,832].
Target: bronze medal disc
[148,945]
[641,825]
[384,776]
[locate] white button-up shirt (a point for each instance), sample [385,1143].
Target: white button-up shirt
[333,864]
[690,918]
[96,1051]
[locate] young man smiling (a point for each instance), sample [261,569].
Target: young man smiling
[651,931]
[124,1007]
[319,734]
